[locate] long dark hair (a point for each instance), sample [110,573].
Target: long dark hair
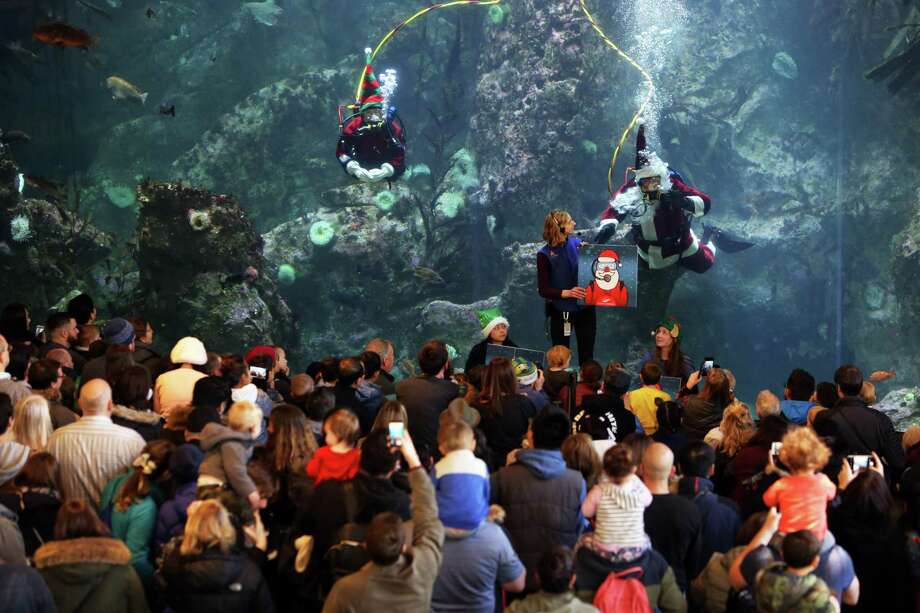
[14,323]
[718,389]
[132,387]
[497,381]
[674,367]
[868,498]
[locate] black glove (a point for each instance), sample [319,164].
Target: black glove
[673,200]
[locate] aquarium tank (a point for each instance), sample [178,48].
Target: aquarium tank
[180,161]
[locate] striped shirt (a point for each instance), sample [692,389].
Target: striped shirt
[618,512]
[90,452]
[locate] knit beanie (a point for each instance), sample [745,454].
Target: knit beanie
[371,96]
[184,463]
[189,350]
[490,318]
[525,371]
[117,331]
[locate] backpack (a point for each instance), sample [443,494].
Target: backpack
[622,591]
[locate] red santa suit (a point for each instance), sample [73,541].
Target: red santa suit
[608,263]
[662,230]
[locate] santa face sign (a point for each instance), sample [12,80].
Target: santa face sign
[608,273]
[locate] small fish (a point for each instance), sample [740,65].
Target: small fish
[22,54]
[168,109]
[61,34]
[94,9]
[150,13]
[50,188]
[123,90]
[882,375]
[426,274]
[14,136]
[249,275]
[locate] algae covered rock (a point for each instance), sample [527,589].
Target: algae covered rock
[201,263]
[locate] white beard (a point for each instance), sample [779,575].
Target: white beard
[608,285]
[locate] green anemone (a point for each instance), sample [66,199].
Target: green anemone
[589,147]
[286,274]
[385,200]
[496,14]
[321,233]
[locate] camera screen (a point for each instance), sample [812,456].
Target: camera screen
[258,372]
[860,462]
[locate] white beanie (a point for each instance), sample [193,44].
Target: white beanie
[189,350]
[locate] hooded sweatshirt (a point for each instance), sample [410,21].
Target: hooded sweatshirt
[542,500]
[796,411]
[13,457]
[227,452]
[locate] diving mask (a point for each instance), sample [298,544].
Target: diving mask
[651,187]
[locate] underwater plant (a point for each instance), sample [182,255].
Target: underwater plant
[385,200]
[321,233]
[589,147]
[462,174]
[420,170]
[120,195]
[20,229]
[286,274]
[265,13]
[449,203]
[199,220]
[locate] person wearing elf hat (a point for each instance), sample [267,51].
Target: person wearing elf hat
[372,144]
[494,332]
[667,353]
[662,207]
[530,382]
[607,289]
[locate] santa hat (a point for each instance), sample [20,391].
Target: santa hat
[648,164]
[490,318]
[371,96]
[259,350]
[609,254]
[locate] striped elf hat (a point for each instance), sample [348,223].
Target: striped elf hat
[371,96]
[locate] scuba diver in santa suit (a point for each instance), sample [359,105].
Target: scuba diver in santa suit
[372,145]
[660,207]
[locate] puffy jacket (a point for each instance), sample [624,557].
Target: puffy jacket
[700,416]
[542,500]
[173,513]
[91,575]
[146,423]
[227,452]
[863,429]
[213,582]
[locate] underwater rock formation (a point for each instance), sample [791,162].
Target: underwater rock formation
[202,269]
[529,124]
[264,151]
[45,246]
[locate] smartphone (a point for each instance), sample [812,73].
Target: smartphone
[859,462]
[39,330]
[774,452]
[708,364]
[396,430]
[258,372]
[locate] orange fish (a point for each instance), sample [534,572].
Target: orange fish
[61,34]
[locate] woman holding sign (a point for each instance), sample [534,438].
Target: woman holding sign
[557,278]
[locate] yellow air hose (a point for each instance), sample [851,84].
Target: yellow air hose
[392,33]
[645,101]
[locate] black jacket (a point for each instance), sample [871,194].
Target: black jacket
[700,416]
[863,430]
[37,511]
[425,397]
[604,417]
[213,582]
[477,355]
[506,431]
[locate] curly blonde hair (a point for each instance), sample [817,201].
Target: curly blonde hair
[737,428]
[554,227]
[803,450]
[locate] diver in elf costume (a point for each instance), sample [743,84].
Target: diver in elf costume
[494,331]
[372,144]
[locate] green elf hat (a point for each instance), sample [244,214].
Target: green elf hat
[371,96]
[490,318]
[669,323]
[524,371]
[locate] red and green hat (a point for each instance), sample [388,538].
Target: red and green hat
[371,96]
[670,324]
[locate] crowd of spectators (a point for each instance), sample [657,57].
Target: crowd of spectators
[190,481]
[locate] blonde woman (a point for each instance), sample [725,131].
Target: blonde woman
[32,422]
[209,571]
[557,279]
